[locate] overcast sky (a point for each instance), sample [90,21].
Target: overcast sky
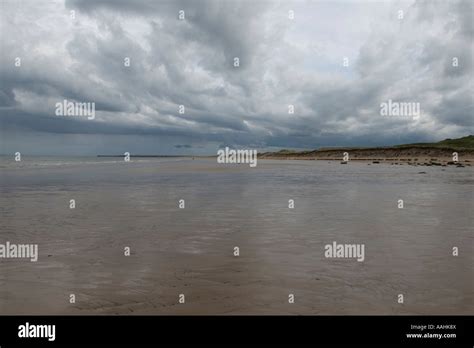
[79,56]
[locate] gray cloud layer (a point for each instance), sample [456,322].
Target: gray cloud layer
[190,62]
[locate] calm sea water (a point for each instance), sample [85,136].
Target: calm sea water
[191,251]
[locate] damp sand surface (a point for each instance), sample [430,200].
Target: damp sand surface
[190,251]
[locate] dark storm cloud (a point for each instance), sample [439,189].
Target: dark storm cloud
[190,63]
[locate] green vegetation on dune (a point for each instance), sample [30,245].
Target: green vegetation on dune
[460,143]
[286,151]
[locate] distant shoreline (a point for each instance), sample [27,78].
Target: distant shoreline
[441,153]
[415,154]
[427,156]
[157,156]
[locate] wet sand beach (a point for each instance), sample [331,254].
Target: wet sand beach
[190,251]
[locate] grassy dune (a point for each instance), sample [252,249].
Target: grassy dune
[418,153]
[464,143]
